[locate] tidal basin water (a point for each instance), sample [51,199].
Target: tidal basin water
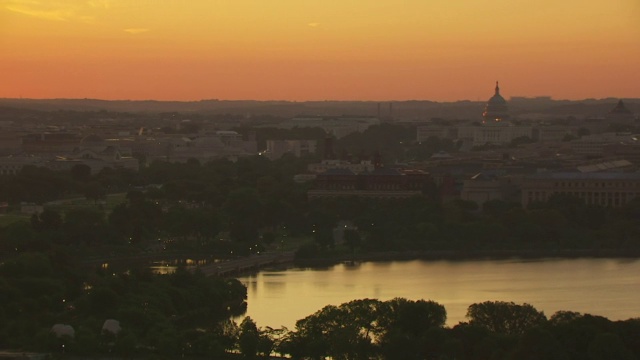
[606,287]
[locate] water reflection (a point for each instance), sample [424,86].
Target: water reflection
[162,267]
[274,286]
[606,287]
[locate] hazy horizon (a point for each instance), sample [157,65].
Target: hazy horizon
[317,50]
[508,98]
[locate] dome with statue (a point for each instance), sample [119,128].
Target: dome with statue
[496,109]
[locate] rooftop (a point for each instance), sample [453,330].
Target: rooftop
[586,176]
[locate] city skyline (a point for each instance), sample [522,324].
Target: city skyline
[313,50]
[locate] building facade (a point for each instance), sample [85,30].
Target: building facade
[338,127]
[604,189]
[594,145]
[481,188]
[328,164]
[380,183]
[277,148]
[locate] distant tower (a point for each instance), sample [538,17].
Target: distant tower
[496,109]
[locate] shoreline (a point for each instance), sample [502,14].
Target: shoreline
[453,255]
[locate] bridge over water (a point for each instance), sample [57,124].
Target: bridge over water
[251,263]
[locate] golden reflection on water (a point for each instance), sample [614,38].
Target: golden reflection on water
[163,269]
[169,266]
[607,287]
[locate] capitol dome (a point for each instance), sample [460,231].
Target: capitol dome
[496,109]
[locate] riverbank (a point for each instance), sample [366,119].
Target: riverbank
[467,255]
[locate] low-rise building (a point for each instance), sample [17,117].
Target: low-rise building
[203,147]
[483,187]
[50,142]
[96,160]
[624,150]
[13,164]
[328,164]
[600,188]
[500,134]
[429,131]
[594,145]
[10,142]
[621,165]
[30,208]
[551,133]
[339,126]
[380,183]
[277,148]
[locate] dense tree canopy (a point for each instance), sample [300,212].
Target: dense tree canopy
[505,317]
[155,311]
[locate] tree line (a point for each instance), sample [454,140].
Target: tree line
[254,202]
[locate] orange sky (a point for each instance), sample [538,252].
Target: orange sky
[319,49]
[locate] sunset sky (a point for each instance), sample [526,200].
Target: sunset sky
[319,49]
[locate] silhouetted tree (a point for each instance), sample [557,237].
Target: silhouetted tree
[505,317]
[81,172]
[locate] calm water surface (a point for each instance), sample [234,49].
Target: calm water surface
[607,287]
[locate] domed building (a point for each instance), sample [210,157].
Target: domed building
[620,115]
[495,130]
[496,109]
[620,109]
